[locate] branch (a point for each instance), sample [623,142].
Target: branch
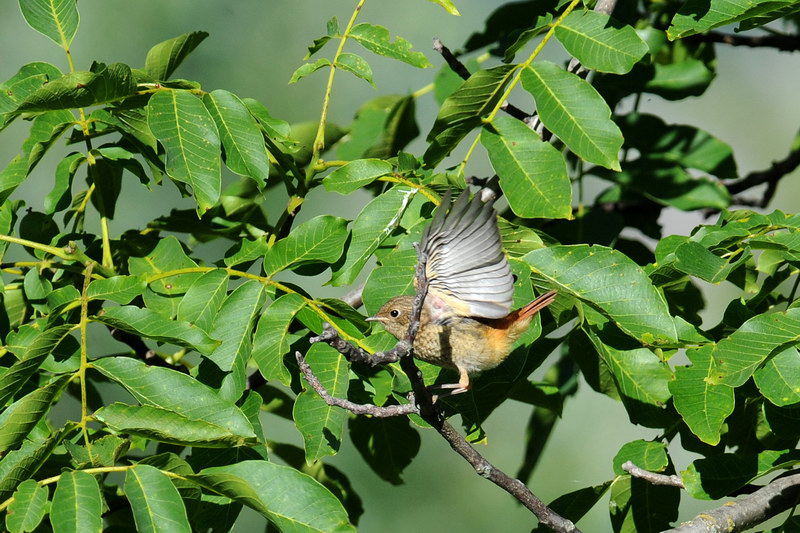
[652,477]
[355,408]
[779,495]
[785,43]
[355,354]
[770,176]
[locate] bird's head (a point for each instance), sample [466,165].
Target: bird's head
[395,315]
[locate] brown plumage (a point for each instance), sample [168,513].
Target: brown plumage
[465,322]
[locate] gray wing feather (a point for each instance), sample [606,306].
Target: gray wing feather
[465,257]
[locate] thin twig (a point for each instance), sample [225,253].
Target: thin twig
[652,477]
[356,408]
[770,176]
[742,514]
[356,355]
[785,43]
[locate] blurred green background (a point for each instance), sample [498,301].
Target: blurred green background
[253,48]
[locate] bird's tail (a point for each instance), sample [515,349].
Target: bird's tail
[537,305]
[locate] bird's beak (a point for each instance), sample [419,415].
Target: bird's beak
[375,318]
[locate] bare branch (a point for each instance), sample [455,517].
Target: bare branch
[356,408]
[785,43]
[781,494]
[770,176]
[652,477]
[357,355]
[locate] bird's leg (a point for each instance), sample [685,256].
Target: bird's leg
[449,389]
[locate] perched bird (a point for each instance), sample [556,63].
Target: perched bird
[465,322]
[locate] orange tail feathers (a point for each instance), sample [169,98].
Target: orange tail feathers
[535,306]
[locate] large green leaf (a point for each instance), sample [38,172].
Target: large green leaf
[737,356]
[167,426]
[703,405]
[610,282]
[203,299]
[156,504]
[394,277]
[245,152]
[462,111]
[377,39]
[173,391]
[699,16]
[320,424]
[19,465]
[574,111]
[77,504]
[21,417]
[189,136]
[320,240]
[355,175]
[777,378]
[271,341]
[18,374]
[225,367]
[649,455]
[373,225]
[151,325]
[533,174]
[28,507]
[164,295]
[292,501]
[600,42]
[164,58]
[25,82]
[56,19]
[120,289]
[103,84]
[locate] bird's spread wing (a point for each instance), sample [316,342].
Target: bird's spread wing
[466,268]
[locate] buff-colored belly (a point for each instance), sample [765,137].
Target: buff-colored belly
[467,344]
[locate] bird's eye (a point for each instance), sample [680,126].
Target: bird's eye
[394,313]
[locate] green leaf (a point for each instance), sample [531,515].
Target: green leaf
[737,356]
[320,424]
[203,299]
[448,6]
[245,152]
[167,426]
[120,289]
[103,84]
[377,39]
[699,16]
[164,294]
[355,174]
[574,111]
[266,487]
[60,198]
[777,378]
[156,504]
[271,341]
[187,132]
[55,19]
[461,112]
[574,505]
[533,174]
[394,277]
[19,465]
[388,445]
[166,56]
[173,391]
[25,82]
[308,68]
[703,405]
[610,282]
[21,417]
[320,240]
[151,325]
[638,505]
[600,42]
[717,476]
[382,127]
[357,65]
[12,380]
[645,454]
[372,226]
[28,507]
[696,260]
[225,367]
[77,504]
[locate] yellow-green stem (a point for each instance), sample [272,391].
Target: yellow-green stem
[81,374]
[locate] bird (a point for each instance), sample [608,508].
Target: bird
[466,322]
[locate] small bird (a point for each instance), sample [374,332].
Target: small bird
[465,322]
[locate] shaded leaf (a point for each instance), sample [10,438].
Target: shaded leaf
[28,507]
[21,417]
[388,445]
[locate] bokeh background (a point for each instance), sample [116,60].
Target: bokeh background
[253,48]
